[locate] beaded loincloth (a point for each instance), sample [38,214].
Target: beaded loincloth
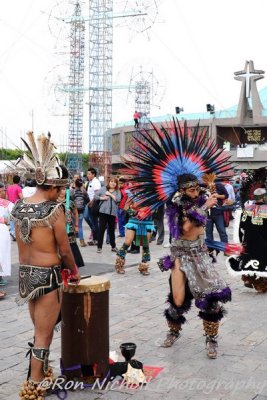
[35,282]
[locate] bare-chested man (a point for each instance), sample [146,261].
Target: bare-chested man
[193,275]
[43,245]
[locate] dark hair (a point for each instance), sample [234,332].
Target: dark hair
[16,179]
[78,183]
[93,171]
[65,172]
[184,178]
[30,182]
[1,185]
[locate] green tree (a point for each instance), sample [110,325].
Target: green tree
[13,154]
[10,154]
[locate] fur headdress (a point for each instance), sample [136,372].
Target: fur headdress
[40,161]
[255,179]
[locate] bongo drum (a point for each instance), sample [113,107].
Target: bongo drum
[85,329]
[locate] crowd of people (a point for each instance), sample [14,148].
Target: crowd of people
[45,215]
[107,206]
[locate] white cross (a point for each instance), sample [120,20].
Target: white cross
[247,74]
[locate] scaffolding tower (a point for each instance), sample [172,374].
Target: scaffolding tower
[76,90]
[142,100]
[100,84]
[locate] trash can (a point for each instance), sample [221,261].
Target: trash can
[85,329]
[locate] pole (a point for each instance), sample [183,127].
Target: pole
[32,120]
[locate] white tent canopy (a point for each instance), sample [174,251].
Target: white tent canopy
[4,164]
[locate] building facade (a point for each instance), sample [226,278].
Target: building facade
[241,130]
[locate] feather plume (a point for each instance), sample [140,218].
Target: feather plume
[159,156]
[22,164]
[32,145]
[50,152]
[44,142]
[39,154]
[29,161]
[209,180]
[29,151]
[227,248]
[40,147]
[53,163]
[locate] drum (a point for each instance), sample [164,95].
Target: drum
[85,329]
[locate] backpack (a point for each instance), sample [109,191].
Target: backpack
[80,198]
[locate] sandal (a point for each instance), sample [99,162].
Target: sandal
[170,339]
[260,285]
[248,281]
[248,284]
[211,345]
[2,295]
[119,264]
[32,390]
[145,273]
[143,269]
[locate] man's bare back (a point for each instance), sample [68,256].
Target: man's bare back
[49,244]
[42,250]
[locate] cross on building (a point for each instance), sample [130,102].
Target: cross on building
[250,105]
[248,73]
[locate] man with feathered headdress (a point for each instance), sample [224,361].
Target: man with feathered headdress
[43,245]
[167,164]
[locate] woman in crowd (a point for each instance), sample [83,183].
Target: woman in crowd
[80,199]
[109,198]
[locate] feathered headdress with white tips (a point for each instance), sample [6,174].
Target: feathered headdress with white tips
[40,161]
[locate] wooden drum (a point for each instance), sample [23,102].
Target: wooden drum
[85,329]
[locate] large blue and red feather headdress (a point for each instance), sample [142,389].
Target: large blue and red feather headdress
[159,156]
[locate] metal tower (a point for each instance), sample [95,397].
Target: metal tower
[100,83]
[147,91]
[142,97]
[76,90]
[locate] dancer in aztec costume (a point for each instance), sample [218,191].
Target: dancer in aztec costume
[251,265]
[139,229]
[163,162]
[43,245]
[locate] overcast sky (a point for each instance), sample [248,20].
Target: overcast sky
[193,49]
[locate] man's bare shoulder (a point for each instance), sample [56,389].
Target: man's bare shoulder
[36,211]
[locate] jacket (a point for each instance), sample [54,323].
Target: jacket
[109,206]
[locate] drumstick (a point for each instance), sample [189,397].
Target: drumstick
[86,276]
[82,277]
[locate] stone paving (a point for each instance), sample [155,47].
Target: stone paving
[136,308]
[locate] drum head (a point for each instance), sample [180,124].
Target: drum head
[94,284]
